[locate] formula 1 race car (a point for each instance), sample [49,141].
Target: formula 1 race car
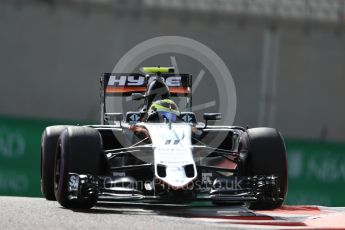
[159,153]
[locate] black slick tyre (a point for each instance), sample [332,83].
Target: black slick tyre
[79,151]
[267,156]
[49,142]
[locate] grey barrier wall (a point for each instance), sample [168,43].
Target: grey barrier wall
[288,75]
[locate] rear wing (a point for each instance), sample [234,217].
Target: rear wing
[124,84]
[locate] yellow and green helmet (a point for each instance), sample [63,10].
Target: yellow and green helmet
[166,108]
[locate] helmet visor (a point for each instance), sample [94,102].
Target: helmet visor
[168,116]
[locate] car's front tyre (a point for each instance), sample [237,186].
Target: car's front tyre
[266,156]
[49,141]
[79,151]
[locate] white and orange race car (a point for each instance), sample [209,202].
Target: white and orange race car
[150,156]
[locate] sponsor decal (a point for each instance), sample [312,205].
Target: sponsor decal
[13,182]
[12,143]
[73,183]
[119,174]
[126,83]
[139,80]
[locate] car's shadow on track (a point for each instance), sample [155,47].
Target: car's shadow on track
[176,210]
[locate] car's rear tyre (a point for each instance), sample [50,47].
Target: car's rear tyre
[267,156]
[80,151]
[49,141]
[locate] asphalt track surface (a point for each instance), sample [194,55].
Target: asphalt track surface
[37,213]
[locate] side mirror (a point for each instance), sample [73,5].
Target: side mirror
[212,117]
[137,96]
[113,117]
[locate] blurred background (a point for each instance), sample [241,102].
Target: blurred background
[287,58]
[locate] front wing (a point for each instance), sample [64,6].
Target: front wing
[209,186]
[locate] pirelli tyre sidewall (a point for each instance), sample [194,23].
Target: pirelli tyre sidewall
[49,142]
[80,151]
[266,156]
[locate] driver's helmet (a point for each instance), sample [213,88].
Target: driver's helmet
[166,108]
